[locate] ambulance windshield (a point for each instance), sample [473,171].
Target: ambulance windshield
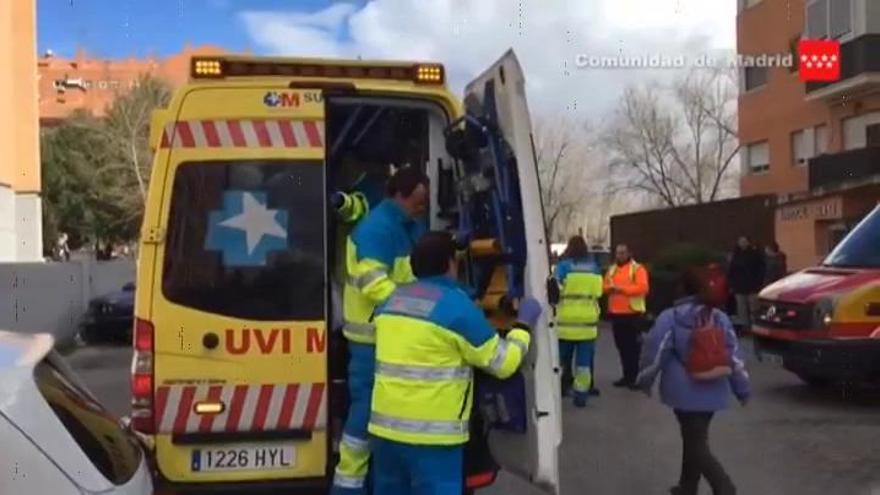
[861,248]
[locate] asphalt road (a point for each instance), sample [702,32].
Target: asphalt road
[791,439]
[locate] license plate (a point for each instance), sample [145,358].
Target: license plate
[244,458]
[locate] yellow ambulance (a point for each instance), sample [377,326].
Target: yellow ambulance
[238,376]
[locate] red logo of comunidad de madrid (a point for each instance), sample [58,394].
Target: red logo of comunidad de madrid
[819,60]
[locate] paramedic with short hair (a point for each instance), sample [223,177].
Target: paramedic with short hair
[377,260]
[429,336]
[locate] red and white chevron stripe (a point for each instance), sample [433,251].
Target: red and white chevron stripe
[243,134]
[247,407]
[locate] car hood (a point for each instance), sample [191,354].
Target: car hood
[814,283]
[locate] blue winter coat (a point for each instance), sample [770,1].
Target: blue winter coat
[664,353]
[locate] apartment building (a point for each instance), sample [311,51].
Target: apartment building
[815,145]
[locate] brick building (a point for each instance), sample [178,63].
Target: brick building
[84,82]
[815,145]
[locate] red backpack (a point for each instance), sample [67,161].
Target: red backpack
[708,357]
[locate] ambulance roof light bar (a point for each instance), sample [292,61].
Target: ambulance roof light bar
[220,68]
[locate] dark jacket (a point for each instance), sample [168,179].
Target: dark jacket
[745,275]
[777,267]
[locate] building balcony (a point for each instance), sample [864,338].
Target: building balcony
[835,170]
[859,71]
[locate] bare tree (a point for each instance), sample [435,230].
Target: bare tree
[559,149]
[677,144]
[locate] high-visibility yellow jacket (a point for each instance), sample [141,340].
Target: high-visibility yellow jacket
[577,314]
[376,260]
[429,336]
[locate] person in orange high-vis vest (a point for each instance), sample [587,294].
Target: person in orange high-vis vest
[626,284]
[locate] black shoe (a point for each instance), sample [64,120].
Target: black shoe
[623,383]
[580,401]
[595,392]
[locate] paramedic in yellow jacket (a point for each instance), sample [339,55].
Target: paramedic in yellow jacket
[377,260]
[577,316]
[429,336]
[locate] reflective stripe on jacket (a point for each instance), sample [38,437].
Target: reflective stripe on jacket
[376,259]
[429,336]
[577,314]
[632,279]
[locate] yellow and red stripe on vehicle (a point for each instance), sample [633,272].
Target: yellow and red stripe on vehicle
[243,133]
[289,406]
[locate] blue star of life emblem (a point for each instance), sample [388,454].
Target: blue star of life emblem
[245,231]
[272,99]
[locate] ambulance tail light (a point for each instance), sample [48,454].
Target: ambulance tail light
[225,68]
[142,400]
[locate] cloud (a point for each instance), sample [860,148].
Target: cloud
[547,35]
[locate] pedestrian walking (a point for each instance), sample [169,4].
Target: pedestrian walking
[745,276]
[626,284]
[577,318]
[429,337]
[776,263]
[693,347]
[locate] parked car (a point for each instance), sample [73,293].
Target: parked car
[109,318]
[56,437]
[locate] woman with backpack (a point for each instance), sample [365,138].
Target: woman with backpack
[694,349]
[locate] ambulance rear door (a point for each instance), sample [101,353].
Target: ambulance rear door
[533,455]
[239,297]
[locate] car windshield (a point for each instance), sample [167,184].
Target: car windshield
[861,248]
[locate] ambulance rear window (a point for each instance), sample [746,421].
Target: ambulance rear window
[246,239]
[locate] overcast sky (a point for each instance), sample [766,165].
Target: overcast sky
[547,35]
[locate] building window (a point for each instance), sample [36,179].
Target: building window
[817,19]
[801,147]
[872,135]
[758,157]
[829,19]
[857,131]
[747,4]
[821,140]
[841,17]
[755,77]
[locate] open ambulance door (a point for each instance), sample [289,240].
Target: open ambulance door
[499,95]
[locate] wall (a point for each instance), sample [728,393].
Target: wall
[52,297]
[713,225]
[21,222]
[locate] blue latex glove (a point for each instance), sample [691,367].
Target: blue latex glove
[463,238]
[529,311]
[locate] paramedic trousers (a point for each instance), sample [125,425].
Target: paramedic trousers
[697,460]
[582,351]
[405,469]
[354,450]
[628,340]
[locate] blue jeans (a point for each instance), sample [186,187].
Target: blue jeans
[404,469]
[582,351]
[354,450]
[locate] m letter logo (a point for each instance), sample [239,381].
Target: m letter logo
[819,60]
